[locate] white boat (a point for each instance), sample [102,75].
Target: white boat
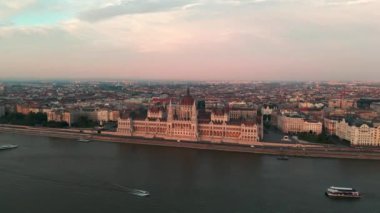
[83,140]
[342,192]
[286,138]
[8,146]
[140,193]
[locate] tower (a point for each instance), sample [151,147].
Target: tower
[170,112]
[194,113]
[194,120]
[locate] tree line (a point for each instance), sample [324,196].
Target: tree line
[40,119]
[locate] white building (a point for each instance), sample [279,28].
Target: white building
[358,135]
[71,117]
[341,103]
[59,116]
[294,124]
[308,105]
[107,115]
[241,113]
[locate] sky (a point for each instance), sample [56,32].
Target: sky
[190,39]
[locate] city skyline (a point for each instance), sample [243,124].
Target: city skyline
[190,39]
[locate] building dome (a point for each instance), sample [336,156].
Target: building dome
[187,99]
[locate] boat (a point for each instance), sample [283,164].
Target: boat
[140,193]
[286,138]
[83,140]
[8,146]
[342,192]
[282,157]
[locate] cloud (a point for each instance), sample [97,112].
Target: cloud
[10,7]
[236,2]
[5,23]
[346,2]
[132,7]
[192,5]
[16,5]
[194,39]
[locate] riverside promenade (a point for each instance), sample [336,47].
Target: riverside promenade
[299,150]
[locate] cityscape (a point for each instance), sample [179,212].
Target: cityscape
[342,114]
[189,106]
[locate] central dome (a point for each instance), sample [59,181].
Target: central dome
[187,99]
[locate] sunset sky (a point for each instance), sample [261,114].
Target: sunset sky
[190,39]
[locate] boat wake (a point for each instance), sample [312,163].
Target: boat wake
[136,192]
[8,146]
[102,185]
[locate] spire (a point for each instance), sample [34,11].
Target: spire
[194,113]
[194,106]
[170,111]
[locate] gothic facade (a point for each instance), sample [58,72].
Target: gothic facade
[184,122]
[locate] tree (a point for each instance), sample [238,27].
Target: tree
[55,124]
[201,105]
[132,115]
[31,119]
[85,122]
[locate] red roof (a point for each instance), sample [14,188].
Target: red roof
[187,100]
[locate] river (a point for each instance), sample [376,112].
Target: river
[62,175]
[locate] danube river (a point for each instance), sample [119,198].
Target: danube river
[61,175]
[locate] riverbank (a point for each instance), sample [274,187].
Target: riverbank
[298,150]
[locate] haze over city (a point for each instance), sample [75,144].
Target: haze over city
[190,106]
[190,39]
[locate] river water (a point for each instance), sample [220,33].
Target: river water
[61,175]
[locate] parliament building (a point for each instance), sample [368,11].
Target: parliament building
[183,121]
